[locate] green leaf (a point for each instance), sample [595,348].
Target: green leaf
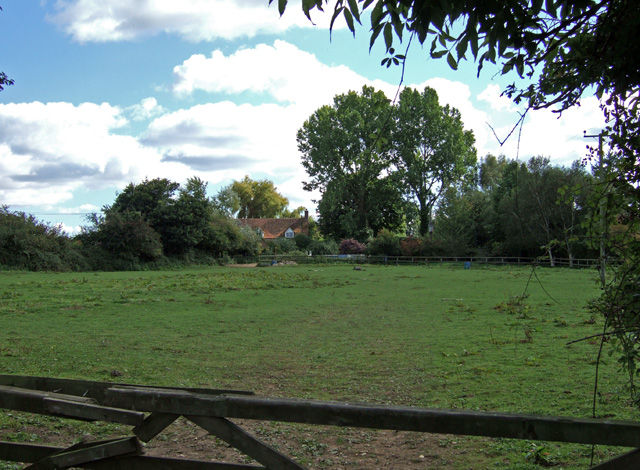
[374,35]
[438,54]
[399,27]
[461,47]
[336,12]
[550,6]
[388,35]
[353,6]
[282,5]
[349,18]
[452,61]
[377,14]
[507,67]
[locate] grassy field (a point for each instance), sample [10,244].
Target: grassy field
[480,339]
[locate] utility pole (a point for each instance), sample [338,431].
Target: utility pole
[603,222]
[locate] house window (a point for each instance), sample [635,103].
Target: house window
[289,233]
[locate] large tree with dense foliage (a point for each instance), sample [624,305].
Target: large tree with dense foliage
[346,151]
[431,149]
[258,199]
[159,216]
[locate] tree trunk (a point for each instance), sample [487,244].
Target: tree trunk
[425,217]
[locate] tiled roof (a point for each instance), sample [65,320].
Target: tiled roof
[275,228]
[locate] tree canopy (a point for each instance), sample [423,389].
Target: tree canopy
[258,199]
[345,150]
[431,148]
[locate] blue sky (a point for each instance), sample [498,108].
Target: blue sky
[109,92]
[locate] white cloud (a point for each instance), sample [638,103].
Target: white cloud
[282,72]
[493,95]
[147,108]
[68,229]
[228,139]
[48,150]
[559,137]
[194,20]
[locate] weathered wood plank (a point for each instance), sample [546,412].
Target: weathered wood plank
[33,401]
[26,453]
[153,425]
[246,443]
[87,388]
[86,453]
[69,409]
[179,402]
[628,461]
[30,453]
[160,463]
[472,423]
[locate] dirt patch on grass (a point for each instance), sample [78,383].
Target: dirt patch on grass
[248,265]
[313,447]
[317,447]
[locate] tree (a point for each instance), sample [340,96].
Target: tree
[258,199]
[227,201]
[294,213]
[490,171]
[126,235]
[187,223]
[346,151]
[181,216]
[431,149]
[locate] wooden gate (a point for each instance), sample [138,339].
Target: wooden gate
[149,410]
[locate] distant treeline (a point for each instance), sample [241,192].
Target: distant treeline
[510,209]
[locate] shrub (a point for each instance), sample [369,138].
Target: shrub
[27,243]
[411,246]
[432,247]
[302,241]
[323,247]
[351,246]
[386,243]
[280,246]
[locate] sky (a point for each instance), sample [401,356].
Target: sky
[110,92]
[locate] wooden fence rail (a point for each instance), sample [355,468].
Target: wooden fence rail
[149,410]
[425,260]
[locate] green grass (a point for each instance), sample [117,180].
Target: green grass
[426,336]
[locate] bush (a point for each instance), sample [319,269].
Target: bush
[27,243]
[432,247]
[323,247]
[302,241]
[280,246]
[411,246]
[385,244]
[351,246]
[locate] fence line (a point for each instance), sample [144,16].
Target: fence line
[426,260]
[210,409]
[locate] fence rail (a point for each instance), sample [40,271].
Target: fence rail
[151,409]
[426,260]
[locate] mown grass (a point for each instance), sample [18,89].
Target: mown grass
[426,336]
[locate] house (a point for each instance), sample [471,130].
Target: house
[271,229]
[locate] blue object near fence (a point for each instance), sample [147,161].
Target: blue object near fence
[467,265]
[274,262]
